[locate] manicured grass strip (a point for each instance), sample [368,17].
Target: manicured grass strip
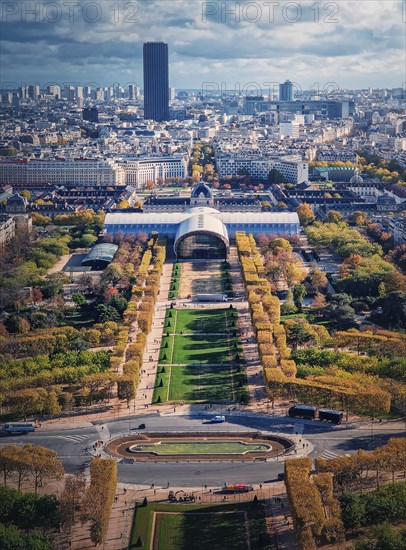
[203,447]
[208,384]
[207,320]
[201,531]
[201,349]
[165,353]
[201,527]
[160,394]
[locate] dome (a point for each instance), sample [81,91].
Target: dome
[201,236]
[357,180]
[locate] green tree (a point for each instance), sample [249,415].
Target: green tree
[53,284]
[394,310]
[275,176]
[298,335]
[382,537]
[79,299]
[299,293]
[105,312]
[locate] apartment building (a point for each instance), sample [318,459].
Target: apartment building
[138,171]
[79,172]
[293,168]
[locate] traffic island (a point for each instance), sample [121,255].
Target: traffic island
[163,447]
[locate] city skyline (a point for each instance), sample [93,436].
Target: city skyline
[221,42]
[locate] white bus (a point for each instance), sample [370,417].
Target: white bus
[20,427]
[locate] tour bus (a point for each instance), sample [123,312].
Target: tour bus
[20,427]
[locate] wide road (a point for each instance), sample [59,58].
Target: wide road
[73,446]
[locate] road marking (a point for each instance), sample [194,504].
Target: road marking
[329,454]
[74,438]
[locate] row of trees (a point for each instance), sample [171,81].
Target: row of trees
[265,309]
[360,394]
[29,462]
[359,470]
[312,505]
[99,497]
[140,308]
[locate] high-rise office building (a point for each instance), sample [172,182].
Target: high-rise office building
[156,81]
[286,91]
[133,91]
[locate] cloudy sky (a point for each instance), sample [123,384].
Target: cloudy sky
[349,43]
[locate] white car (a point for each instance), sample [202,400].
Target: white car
[218,419]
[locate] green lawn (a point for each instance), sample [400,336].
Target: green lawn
[201,383]
[201,447]
[204,349]
[206,321]
[80,318]
[200,527]
[195,339]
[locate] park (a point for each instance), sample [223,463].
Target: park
[200,358]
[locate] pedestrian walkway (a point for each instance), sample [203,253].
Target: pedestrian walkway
[145,388]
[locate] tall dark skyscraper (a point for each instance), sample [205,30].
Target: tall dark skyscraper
[156,81]
[286,91]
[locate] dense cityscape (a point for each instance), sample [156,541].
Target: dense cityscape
[202,293]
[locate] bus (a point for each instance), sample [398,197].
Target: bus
[303,411]
[20,427]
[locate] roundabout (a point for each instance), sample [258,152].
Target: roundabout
[243,446]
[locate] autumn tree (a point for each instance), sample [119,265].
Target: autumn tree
[306,214]
[99,497]
[71,499]
[334,216]
[43,464]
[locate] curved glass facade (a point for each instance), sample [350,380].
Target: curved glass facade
[201,246]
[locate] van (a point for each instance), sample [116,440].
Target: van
[218,419]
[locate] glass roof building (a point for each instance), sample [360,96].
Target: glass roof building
[202,228]
[100,255]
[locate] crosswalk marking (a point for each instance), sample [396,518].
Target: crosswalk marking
[74,438]
[329,454]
